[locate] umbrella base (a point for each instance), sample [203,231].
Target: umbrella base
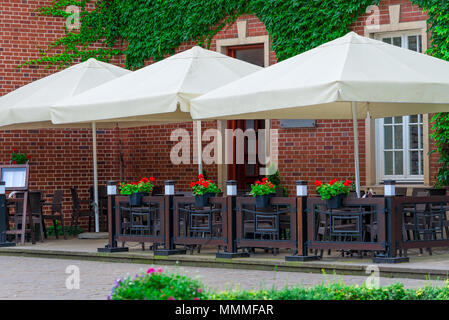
[230,255]
[390,260]
[112,250]
[168,252]
[7,244]
[301,258]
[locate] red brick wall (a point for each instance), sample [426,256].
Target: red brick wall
[62,158]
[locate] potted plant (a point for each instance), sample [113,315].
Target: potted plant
[203,189]
[19,158]
[333,192]
[261,191]
[137,190]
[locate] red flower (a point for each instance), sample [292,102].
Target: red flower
[28,156]
[192,184]
[206,184]
[200,176]
[318,183]
[14,162]
[347,183]
[257,182]
[14,150]
[152,179]
[333,181]
[264,179]
[144,180]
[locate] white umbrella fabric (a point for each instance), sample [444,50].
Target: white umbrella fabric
[29,106]
[347,78]
[158,93]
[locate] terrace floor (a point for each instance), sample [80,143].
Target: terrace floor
[421,266]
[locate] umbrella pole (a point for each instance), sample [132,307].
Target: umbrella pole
[356,147]
[199,147]
[94,139]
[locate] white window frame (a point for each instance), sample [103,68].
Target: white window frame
[379,126]
[380,140]
[403,35]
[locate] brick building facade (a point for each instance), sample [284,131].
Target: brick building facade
[63,158]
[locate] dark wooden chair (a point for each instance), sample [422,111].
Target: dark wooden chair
[56,212]
[401,192]
[79,209]
[35,202]
[412,225]
[33,215]
[420,192]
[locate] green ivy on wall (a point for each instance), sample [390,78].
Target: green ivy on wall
[438,12]
[154,28]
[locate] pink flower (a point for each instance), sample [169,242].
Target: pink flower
[196,299]
[151,270]
[160,270]
[199,290]
[171,298]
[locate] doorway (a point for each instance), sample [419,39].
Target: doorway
[248,172]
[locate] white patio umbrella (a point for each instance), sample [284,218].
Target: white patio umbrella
[160,92]
[29,106]
[347,78]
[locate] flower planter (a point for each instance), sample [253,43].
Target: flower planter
[135,199]
[335,202]
[203,200]
[262,201]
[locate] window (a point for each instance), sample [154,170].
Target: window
[400,149]
[412,42]
[250,53]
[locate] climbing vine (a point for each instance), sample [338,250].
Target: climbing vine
[152,29]
[438,12]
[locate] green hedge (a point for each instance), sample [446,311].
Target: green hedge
[157,285]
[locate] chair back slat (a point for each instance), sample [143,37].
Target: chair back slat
[35,200]
[56,203]
[75,198]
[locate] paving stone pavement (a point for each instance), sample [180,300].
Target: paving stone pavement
[39,278]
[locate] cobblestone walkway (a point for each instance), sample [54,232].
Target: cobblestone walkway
[37,278]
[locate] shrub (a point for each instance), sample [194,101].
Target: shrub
[338,291]
[261,188]
[332,188]
[50,230]
[157,285]
[203,186]
[143,185]
[19,158]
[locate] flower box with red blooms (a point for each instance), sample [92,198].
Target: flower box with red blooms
[333,191]
[202,190]
[19,158]
[137,190]
[261,191]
